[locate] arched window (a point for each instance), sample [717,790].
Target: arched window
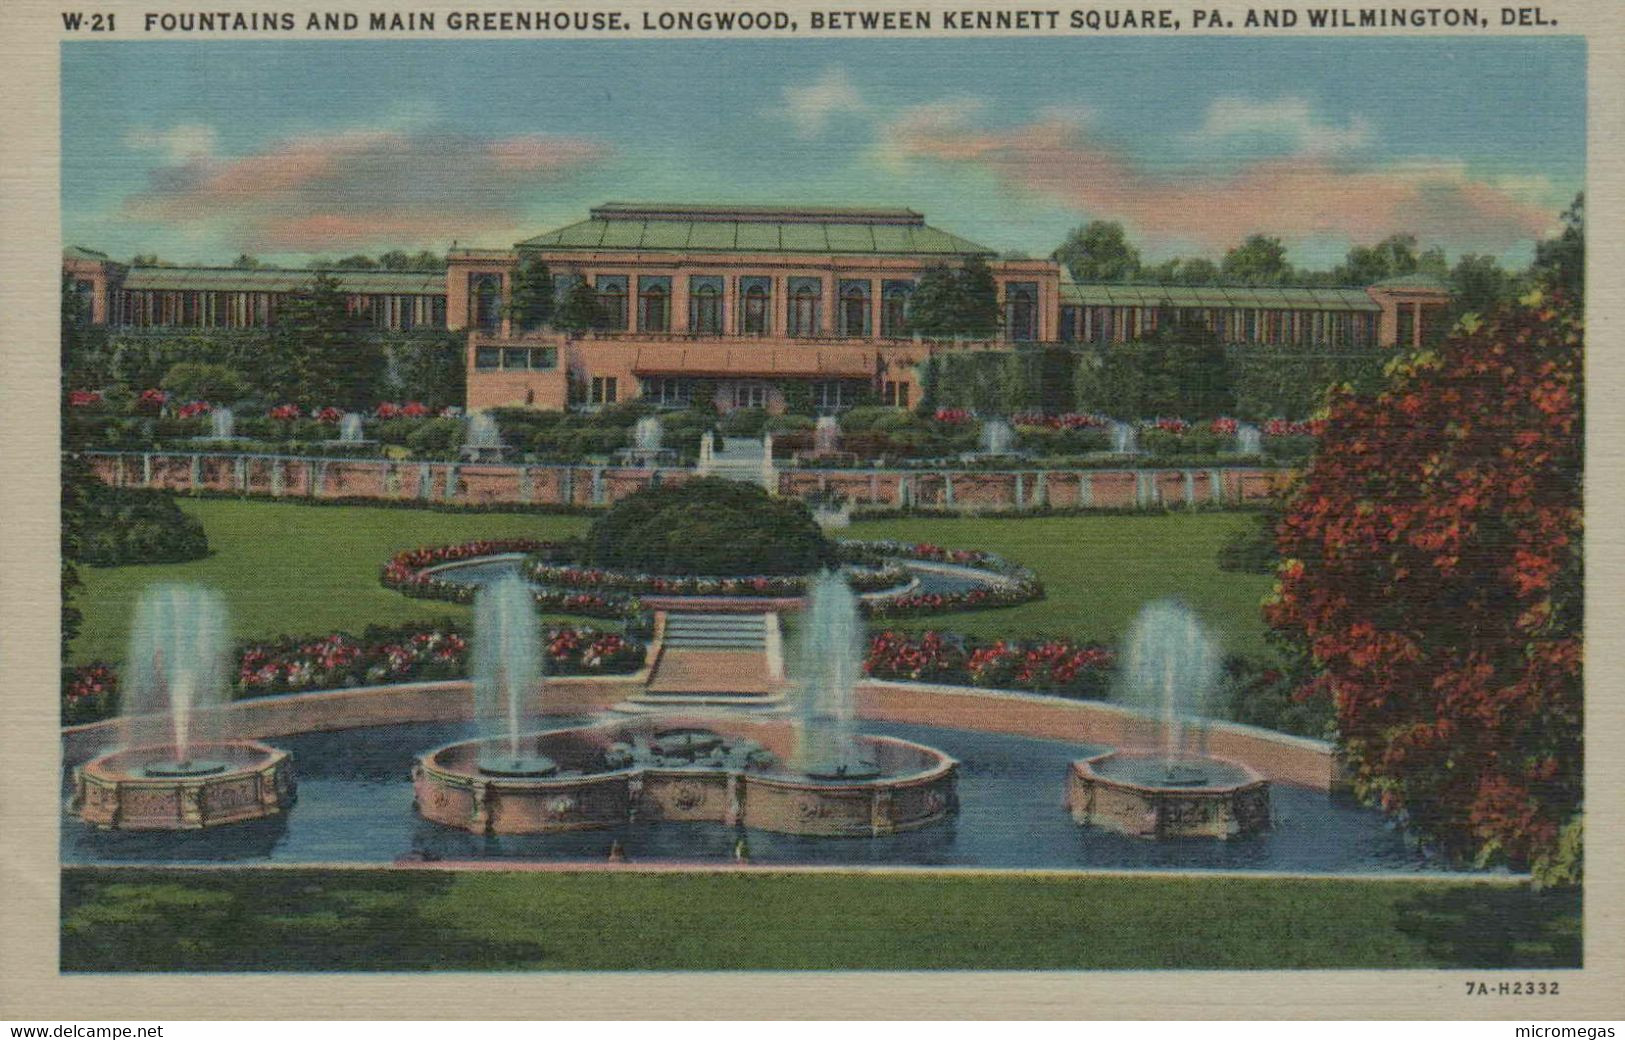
[854,308]
[611,289]
[804,306]
[654,304]
[755,306]
[894,296]
[485,298]
[1021,311]
[705,305]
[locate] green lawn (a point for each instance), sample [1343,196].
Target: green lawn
[1099,570]
[296,570]
[301,569]
[312,920]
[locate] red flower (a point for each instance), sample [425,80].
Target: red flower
[84,398]
[284,412]
[414,410]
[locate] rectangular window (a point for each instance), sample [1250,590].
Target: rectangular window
[895,394]
[705,304]
[654,303]
[544,358]
[833,396]
[894,298]
[603,390]
[750,395]
[485,301]
[806,296]
[669,393]
[487,359]
[515,358]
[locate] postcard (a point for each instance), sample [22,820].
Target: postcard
[936,511]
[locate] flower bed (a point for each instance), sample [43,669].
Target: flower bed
[1052,666]
[412,653]
[760,585]
[408,573]
[1019,584]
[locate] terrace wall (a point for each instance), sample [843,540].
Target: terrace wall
[468,483]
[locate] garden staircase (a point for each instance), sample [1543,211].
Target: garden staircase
[709,660]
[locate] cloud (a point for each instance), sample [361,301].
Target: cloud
[356,189]
[811,107]
[1305,196]
[178,143]
[1286,122]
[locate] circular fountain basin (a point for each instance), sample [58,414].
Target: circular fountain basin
[147,788]
[517,765]
[1151,797]
[729,771]
[191,767]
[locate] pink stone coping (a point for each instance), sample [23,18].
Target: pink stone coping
[1277,756]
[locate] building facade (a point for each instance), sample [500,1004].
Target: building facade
[739,305]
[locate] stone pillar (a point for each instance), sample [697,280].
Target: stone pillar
[1190,489]
[197,471]
[1041,488]
[1215,480]
[1086,488]
[567,485]
[1020,491]
[827,304]
[527,485]
[450,490]
[598,485]
[146,469]
[279,478]
[240,473]
[947,489]
[425,481]
[874,487]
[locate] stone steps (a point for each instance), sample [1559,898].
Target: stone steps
[716,631]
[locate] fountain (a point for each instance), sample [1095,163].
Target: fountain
[826,435]
[173,770]
[507,668]
[831,656]
[1177,790]
[1249,440]
[222,427]
[1125,438]
[645,450]
[812,775]
[351,433]
[483,440]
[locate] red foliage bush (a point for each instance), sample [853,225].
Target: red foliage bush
[1432,573]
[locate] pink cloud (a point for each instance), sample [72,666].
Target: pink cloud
[1310,195]
[354,190]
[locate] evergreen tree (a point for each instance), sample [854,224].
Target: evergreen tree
[1561,262]
[579,309]
[976,300]
[323,356]
[531,305]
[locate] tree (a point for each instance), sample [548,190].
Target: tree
[579,309]
[949,302]
[149,260]
[1478,284]
[322,355]
[1561,262]
[1431,578]
[245,262]
[530,303]
[976,300]
[1099,251]
[1260,260]
[204,381]
[356,262]
[1366,265]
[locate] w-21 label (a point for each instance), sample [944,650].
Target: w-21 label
[78,21]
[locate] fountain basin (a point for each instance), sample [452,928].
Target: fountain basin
[1137,795]
[147,789]
[712,769]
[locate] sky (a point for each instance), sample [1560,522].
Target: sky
[294,150]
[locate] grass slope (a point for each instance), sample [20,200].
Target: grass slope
[312,920]
[296,570]
[300,569]
[1098,571]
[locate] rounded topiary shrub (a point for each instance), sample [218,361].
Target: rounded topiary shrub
[708,526]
